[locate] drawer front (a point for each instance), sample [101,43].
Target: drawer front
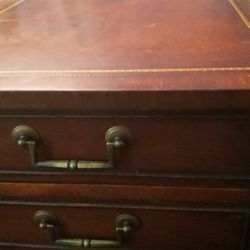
[198,145]
[169,228]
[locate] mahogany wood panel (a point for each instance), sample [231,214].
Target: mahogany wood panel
[95,177]
[16,246]
[152,102]
[248,236]
[198,230]
[161,145]
[141,194]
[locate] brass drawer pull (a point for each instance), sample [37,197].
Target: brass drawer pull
[117,138]
[124,224]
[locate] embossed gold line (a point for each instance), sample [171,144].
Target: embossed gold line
[241,14]
[91,72]
[11,6]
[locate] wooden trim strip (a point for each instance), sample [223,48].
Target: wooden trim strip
[244,239]
[166,207]
[124,193]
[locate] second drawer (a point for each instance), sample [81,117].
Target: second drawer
[157,227]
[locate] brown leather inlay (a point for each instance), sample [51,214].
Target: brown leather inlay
[124,38]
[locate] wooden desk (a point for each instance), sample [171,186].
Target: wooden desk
[157,92]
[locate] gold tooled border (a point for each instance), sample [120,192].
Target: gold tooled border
[108,72]
[11,6]
[240,12]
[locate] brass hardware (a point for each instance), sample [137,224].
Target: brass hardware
[45,219]
[124,224]
[117,138]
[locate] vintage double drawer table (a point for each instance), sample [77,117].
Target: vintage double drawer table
[125,124]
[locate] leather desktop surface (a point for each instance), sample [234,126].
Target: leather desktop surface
[126,43]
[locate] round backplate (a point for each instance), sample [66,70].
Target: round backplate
[127,218]
[26,132]
[119,132]
[45,217]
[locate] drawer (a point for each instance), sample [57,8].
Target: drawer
[168,227]
[166,145]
